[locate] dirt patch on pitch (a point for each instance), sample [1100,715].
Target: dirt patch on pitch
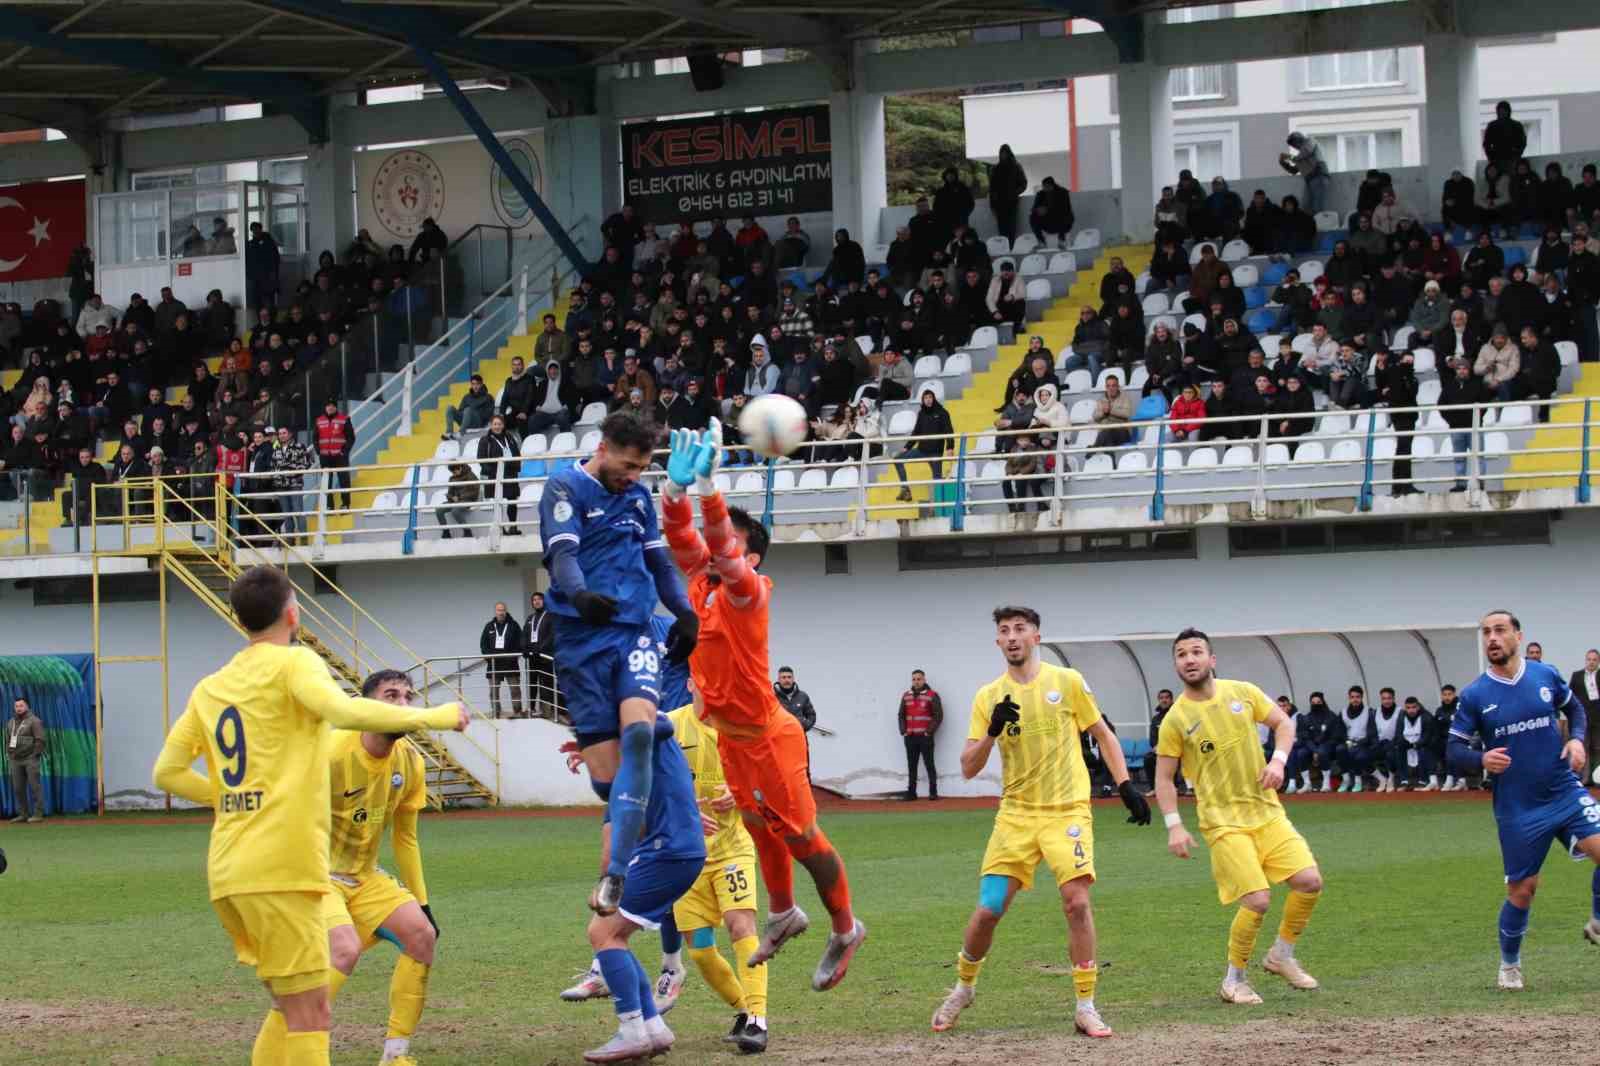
[106,1034]
[1533,1040]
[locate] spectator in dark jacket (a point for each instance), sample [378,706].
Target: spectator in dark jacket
[1504,139]
[1456,206]
[794,698]
[1052,212]
[501,644]
[849,262]
[499,457]
[553,404]
[1319,738]
[952,204]
[1158,715]
[920,714]
[516,395]
[933,422]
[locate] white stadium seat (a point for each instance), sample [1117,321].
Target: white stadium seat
[534,445]
[593,415]
[1108,373]
[1032,265]
[998,246]
[959,363]
[927,366]
[1023,245]
[1245,275]
[447,450]
[1086,238]
[1063,263]
[1156,304]
[1424,361]
[590,441]
[901,423]
[985,337]
[1205,458]
[563,442]
[1327,220]
[1311,270]
[932,383]
[1038,289]
[1082,412]
[1235,251]
[1238,455]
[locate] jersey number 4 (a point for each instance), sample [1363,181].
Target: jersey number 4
[231,744]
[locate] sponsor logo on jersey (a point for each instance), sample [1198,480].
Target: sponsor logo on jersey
[1544,721]
[1192,729]
[1491,708]
[1206,747]
[562,511]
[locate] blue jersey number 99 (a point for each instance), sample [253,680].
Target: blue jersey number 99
[233,749]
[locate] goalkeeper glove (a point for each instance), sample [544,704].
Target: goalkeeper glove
[708,456]
[428,911]
[681,456]
[1004,714]
[682,637]
[1133,799]
[596,608]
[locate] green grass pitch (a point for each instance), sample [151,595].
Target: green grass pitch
[114,951]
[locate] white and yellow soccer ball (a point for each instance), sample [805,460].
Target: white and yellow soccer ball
[773,426]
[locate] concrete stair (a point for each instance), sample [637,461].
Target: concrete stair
[1564,430]
[973,411]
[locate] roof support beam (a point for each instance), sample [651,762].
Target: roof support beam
[291,95]
[763,26]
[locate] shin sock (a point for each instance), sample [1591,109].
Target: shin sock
[647,997]
[967,969]
[630,794]
[1296,913]
[408,990]
[777,867]
[269,1045]
[306,1049]
[754,978]
[827,870]
[716,972]
[1083,981]
[617,964]
[1242,936]
[1513,925]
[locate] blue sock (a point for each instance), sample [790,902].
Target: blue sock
[1513,924]
[672,941]
[617,964]
[630,794]
[647,999]
[1595,890]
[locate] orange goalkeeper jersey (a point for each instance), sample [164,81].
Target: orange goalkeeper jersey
[729,664]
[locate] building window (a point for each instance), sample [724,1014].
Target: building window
[1362,149]
[1197,83]
[1209,149]
[1350,70]
[1202,157]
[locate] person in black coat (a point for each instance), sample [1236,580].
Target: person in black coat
[933,422]
[539,649]
[1539,377]
[500,643]
[499,454]
[1260,224]
[1007,183]
[952,204]
[1415,741]
[1052,211]
[1322,734]
[1394,382]
[849,262]
[793,699]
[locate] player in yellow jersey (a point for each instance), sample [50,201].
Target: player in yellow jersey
[378,780]
[725,894]
[1036,714]
[1211,731]
[261,724]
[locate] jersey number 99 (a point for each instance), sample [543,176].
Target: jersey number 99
[640,660]
[230,742]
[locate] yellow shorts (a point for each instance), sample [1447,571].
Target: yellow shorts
[364,905]
[1249,860]
[721,887]
[1019,841]
[281,935]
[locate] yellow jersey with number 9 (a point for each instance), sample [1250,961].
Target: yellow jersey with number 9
[1041,753]
[699,743]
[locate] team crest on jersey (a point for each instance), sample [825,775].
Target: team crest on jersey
[1052,696]
[644,642]
[397,780]
[1206,747]
[1236,707]
[1074,831]
[562,511]
[1544,693]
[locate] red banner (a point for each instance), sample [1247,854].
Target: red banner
[40,226]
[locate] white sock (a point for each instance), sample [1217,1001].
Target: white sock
[759,1021]
[1450,781]
[630,1026]
[656,1026]
[1235,975]
[672,960]
[395,1046]
[594,968]
[1086,1003]
[1305,780]
[1433,780]
[1283,948]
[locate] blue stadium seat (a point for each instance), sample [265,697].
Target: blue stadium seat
[735,282]
[1255,296]
[532,468]
[1273,274]
[1263,320]
[558,465]
[1134,749]
[1327,239]
[1530,231]
[1515,254]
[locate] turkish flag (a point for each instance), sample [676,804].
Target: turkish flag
[41,224]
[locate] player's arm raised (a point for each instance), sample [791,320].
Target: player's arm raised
[987,725]
[313,688]
[688,550]
[174,770]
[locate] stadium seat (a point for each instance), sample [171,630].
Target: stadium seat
[984,445]
[1326,240]
[1024,244]
[984,337]
[901,423]
[864,342]
[1239,455]
[1038,289]
[1178,299]
[1246,275]
[1086,238]
[590,441]
[1197,320]
[1311,270]
[1133,460]
[447,450]
[1254,297]
[1402,338]
[1428,392]
[1516,255]
[1326,220]
[1424,361]
[1079,381]
[1156,304]
[927,366]
[815,478]
[959,363]
[1274,273]
[1194,253]
[846,477]
[1269,345]
[1235,251]
[1098,463]
[1332,425]
[1261,320]
[1203,459]
[1302,343]
[1033,265]
[561,443]
[534,445]
[1063,263]
[932,383]
[1141,284]
[592,415]
[1107,374]
[997,247]
[1140,377]
[1082,411]
[438,475]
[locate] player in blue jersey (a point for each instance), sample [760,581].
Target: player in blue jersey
[1515,709]
[668,859]
[608,566]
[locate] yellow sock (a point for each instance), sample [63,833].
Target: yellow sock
[306,1049]
[752,978]
[336,981]
[1296,913]
[1242,936]
[268,1049]
[408,990]
[967,969]
[1083,980]
[719,975]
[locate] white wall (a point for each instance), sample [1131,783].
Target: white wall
[853,639]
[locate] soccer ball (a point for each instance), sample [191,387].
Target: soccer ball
[1595,777]
[773,426]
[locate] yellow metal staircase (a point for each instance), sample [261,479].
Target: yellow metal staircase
[1564,431]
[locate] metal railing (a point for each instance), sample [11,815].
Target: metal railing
[1074,475]
[533,283]
[529,683]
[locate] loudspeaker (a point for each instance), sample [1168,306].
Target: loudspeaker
[705,70]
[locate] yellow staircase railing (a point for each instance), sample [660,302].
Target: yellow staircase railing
[181,525]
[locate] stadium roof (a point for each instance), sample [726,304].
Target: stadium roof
[75,63]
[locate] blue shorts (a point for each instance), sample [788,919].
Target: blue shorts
[653,885]
[1525,841]
[597,667]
